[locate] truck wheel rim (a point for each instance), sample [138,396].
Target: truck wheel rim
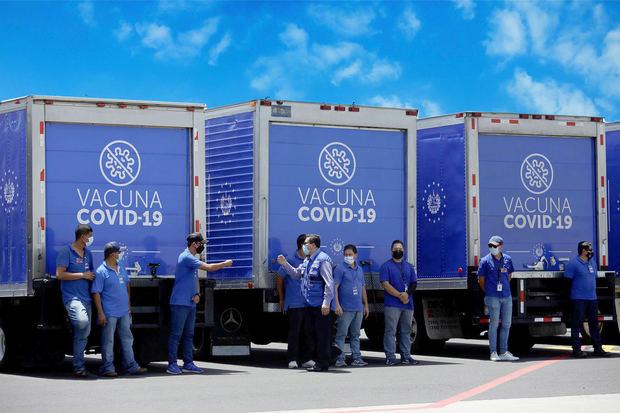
[2,344]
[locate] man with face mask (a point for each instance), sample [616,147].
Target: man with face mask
[74,269]
[351,305]
[185,296]
[582,271]
[494,274]
[111,296]
[398,280]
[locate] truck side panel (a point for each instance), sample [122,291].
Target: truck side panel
[613,173]
[538,193]
[130,184]
[347,185]
[229,142]
[442,198]
[13,201]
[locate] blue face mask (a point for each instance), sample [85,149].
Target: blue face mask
[349,260]
[305,250]
[494,250]
[90,241]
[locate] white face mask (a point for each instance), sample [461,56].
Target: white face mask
[494,250]
[90,241]
[349,260]
[120,257]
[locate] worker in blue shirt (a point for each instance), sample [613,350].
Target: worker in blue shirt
[582,271]
[185,296]
[351,305]
[292,302]
[398,280]
[318,291]
[494,274]
[111,293]
[74,269]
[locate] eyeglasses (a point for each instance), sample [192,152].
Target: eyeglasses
[494,246]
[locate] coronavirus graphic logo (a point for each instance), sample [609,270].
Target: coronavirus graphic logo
[536,173]
[119,163]
[337,163]
[434,202]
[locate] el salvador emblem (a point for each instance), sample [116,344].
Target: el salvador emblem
[434,202]
[9,191]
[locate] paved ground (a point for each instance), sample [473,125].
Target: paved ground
[460,380]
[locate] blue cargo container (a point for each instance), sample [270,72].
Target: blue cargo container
[126,168]
[535,180]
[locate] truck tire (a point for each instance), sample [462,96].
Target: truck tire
[4,357]
[585,331]
[520,340]
[202,344]
[373,327]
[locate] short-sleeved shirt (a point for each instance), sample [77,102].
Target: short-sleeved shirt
[583,275]
[496,272]
[112,286]
[185,278]
[350,282]
[76,289]
[393,272]
[293,294]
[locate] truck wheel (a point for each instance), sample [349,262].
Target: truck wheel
[520,340]
[585,332]
[202,344]
[373,327]
[3,354]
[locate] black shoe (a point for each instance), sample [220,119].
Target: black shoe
[579,354]
[316,368]
[601,353]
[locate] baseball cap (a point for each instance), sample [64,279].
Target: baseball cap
[196,237]
[496,238]
[111,247]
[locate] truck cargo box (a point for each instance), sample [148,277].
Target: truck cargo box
[278,169]
[612,131]
[126,168]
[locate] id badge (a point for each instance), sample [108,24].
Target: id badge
[355,292]
[499,287]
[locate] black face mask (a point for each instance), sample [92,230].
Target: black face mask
[590,255]
[398,254]
[200,249]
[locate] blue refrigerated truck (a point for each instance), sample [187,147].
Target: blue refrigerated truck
[130,170]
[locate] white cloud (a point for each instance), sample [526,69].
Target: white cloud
[294,37]
[219,48]
[467,7]
[549,97]
[408,23]
[383,70]
[327,55]
[185,45]
[391,101]
[508,35]
[87,12]
[123,32]
[346,22]
[429,108]
[351,70]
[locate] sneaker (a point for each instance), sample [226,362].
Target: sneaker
[192,368]
[508,356]
[292,364]
[391,361]
[139,371]
[110,374]
[308,364]
[341,363]
[494,356]
[579,354]
[173,369]
[410,361]
[358,363]
[601,353]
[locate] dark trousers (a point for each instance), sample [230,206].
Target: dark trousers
[585,309]
[320,330]
[298,336]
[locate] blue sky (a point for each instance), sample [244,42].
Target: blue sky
[556,57]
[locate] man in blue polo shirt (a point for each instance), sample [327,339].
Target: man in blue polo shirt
[292,302]
[582,271]
[185,296]
[494,274]
[397,278]
[74,269]
[111,296]
[351,305]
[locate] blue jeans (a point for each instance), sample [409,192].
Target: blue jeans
[182,321]
[585,309]
[349,322]
[121,325]
[79,315]
[499,308]
[401,318]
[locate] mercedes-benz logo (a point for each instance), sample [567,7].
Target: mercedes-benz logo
[231,320]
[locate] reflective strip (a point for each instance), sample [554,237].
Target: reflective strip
[547,319]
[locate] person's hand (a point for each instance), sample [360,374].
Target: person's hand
[101,319]
[325,309]
[228,263]
[89,275]
[281,260]
[366,311]
[338,310]
[404,298]
[196,299]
